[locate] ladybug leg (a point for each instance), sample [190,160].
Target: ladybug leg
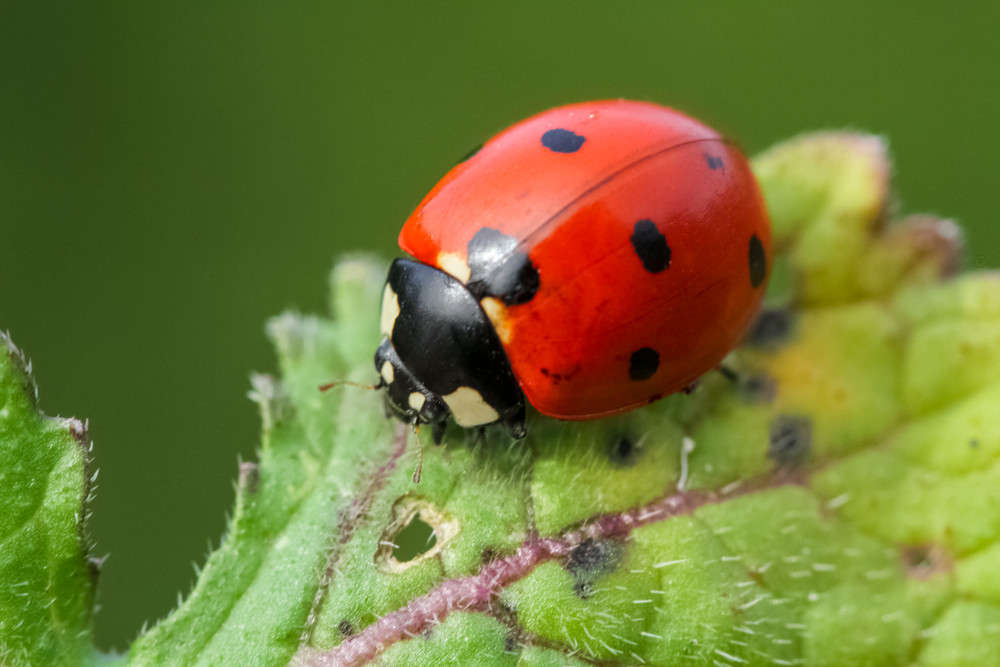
[728,373]
[476,436]
[515,424]
[437,431]
[420,451]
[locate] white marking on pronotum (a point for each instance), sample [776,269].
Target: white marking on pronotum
[390,310]
[469,408]
[388,374]
[455,264]
[496,311]
[416,400]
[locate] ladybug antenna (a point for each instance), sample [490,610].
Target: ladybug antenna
[330,385]
[420,453]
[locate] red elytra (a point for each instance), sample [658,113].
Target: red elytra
[650,239]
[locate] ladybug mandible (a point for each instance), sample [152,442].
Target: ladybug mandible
[591,259]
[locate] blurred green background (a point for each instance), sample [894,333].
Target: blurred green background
[172,174]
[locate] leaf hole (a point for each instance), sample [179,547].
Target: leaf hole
[923,561]
[417,530]
[416,539]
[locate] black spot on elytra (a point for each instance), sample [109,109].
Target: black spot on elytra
[345,628]
[470,154]
[651,246]
[758,262]
[562,141]
[623,452]
[643,364]
[714,161]
[499,269]
[791,440]
[591,560]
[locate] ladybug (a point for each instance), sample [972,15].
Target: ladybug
[588,260]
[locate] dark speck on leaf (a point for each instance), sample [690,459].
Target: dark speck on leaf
[758,388]
[623,452]
[791,440]
[772,327]
[345,628]
[924,561]
[591,560]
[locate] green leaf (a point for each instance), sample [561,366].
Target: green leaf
[837,503]
[319,451]
[818,510]
[46,580]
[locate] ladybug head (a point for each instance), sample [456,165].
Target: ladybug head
[405,398]
[440,355]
